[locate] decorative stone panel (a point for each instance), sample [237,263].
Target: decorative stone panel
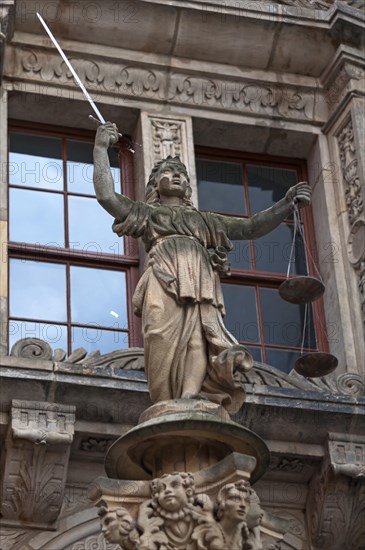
[355,193]
[35,462]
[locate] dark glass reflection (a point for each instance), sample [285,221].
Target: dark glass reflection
[80,167]
[36,161]
[220,186]
[283,360]
[272,252]
[240,255]
[37,290]
[267,185]
[241,313]
[55,335]
[90,227]
[283,323]
[36,217]
[93,339]
[98,296]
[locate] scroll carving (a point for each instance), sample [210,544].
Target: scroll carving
[255,98]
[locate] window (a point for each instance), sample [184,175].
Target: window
[71,277]
[239,185]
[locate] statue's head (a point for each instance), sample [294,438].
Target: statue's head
[173,169]
[233,500]
[115,523]
[173,492]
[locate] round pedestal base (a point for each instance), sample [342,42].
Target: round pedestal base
[182,435]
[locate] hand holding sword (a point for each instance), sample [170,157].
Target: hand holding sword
[100,119]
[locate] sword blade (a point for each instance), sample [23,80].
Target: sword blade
[73,72]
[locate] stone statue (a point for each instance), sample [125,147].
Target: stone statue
[188,351]
[118,527]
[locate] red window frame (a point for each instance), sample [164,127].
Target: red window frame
[128,262]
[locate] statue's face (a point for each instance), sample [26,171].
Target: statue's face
[110,527]
[171,182]
[172,495]
[235,505]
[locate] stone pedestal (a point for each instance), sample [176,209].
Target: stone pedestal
[172,477]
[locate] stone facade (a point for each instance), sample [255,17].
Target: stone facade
[281,78]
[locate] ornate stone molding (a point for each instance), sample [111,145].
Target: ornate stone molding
[336,502]
[36,462]
[355,193]
[126,82]
[111,364]
[6,28]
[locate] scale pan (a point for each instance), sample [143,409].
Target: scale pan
[315,364]
[301,290]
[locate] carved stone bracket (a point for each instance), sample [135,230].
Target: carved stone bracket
[35,462]
[336,501]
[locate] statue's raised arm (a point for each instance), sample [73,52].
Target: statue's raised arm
[116,204]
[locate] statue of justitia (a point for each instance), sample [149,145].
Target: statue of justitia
[188,351]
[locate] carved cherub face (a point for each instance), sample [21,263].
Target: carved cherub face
[233,502]
[171,495]
[110,527]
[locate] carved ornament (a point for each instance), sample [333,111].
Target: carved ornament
[336,501]
[132,359]
[36,462]
[138,82]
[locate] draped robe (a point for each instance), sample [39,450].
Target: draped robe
[179,297]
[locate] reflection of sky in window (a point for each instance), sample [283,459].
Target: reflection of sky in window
[37,290]
[282,321]
[93,339]
[267,185]
[55,335]
[272,251]
[241,313]
[220,186]
[35,161]
[95,293]
[80,167]
[36,217]
[90,227]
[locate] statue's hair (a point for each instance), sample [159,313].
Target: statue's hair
[117,510]
[240,486]
[187,480]
[152,196]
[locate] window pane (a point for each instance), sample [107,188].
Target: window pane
[90,227]
[240,255]
[255,352]
[283,322]
[55,335]
[220,186]
[37,290]
[93,339]
[283,360]
[267,185]
[36,217]
[241,312]
[80,167]
[272,252]
[36,161]
[98,296]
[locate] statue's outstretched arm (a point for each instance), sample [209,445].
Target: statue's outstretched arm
[116,204]
[263,222]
